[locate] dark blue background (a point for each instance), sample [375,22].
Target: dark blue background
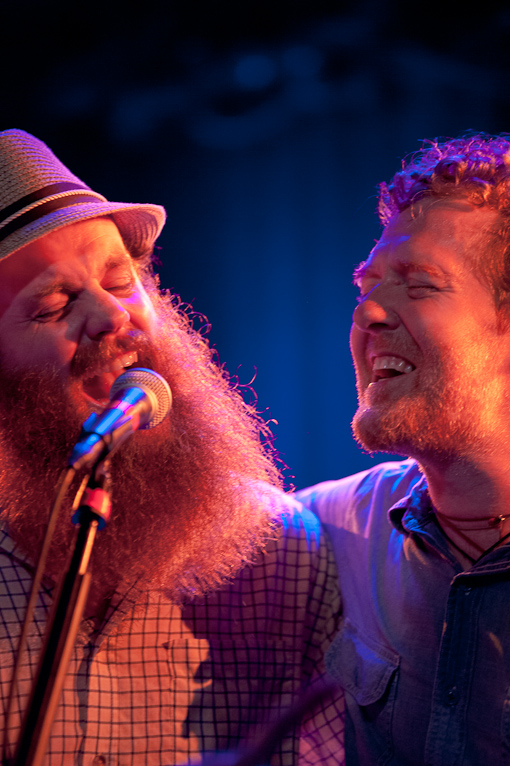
[263,128]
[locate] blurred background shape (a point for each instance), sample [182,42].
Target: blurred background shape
[264,128]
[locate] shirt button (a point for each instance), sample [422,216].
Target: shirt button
[467,590]
[452,696]
[99,760]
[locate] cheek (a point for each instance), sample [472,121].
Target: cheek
[143,315]
[356,344]
[141,310]
[31,350]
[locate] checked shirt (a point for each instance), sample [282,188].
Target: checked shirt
[177,683]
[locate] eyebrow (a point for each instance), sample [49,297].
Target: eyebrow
[63,285]
[401,267]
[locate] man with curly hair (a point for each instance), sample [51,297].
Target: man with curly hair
[213,595]
[423,546]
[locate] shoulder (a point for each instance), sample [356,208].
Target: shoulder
[383,485]
[288,584]
[295,527]
[297,552]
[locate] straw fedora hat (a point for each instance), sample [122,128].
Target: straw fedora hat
[38,194]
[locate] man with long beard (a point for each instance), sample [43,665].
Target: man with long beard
[164,669]
[423,546]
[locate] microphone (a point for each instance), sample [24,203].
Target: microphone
[139,398]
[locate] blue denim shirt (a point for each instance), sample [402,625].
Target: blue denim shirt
[424,653]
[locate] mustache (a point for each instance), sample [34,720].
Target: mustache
[89,358]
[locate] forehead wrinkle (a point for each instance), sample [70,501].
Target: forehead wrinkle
[63,284]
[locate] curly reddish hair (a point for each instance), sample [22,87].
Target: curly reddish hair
[474,166]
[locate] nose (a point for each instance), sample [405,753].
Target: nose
[373,314]
[105,315]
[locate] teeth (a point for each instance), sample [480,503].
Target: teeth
[119,363]
[392,363]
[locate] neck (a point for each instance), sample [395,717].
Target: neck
[472,501]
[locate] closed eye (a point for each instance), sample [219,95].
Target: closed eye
[56,310]
[123,289]
[421,291]
[49,316]
[119,280]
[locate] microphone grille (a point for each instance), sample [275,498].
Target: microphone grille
[141,377]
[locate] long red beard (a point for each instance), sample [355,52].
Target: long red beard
[189,508]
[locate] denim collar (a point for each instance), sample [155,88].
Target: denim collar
[414,511]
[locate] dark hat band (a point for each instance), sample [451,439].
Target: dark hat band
[47,207]
[46,191]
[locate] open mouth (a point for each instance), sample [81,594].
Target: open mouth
[384,367]
[97,384]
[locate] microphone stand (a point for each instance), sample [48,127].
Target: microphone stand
[64,622]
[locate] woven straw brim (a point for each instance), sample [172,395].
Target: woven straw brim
[139,224]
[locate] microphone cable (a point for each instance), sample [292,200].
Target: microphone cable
[63,485]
